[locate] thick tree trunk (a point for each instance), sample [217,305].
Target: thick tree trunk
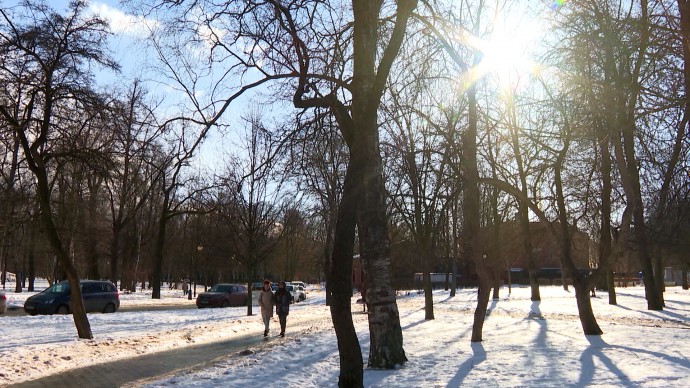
[386,347]
[386,350]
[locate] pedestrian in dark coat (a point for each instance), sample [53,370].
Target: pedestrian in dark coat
[282,297]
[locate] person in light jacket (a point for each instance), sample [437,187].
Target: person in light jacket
[266,301]
[283,298]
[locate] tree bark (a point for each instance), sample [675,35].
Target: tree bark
[581,283]
[428,295]
[386,348]
[340,284]
[471,206]
[78,311]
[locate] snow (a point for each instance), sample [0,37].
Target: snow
[525,343]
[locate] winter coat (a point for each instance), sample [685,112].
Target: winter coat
[283,301]
[266,301]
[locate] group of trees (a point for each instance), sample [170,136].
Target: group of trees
[388,130]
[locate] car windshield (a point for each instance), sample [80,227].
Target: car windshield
[221,288]
[289,287]
[58,288]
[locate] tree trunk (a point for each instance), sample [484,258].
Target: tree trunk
[340,284]
[605,242]
[157,269]
[386,347]
[428,296]
[327,258]
[611,285]
[471,206]
[483,292]
[81,321]
[115,254]
[584,308]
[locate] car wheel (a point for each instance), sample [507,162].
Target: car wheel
[109,308]
[225,304]
[62,310]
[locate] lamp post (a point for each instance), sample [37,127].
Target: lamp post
[199,248]
[191,266]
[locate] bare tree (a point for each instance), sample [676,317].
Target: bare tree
[252,202]
[59,49]
[129,185]
[287,41]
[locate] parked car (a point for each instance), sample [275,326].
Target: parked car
[299,293]
[223,295]
[293,292]
[299,283]
[98,296]
[3,302]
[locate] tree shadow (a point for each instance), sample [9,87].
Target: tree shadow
[595,350]
[680,318]
[478,356]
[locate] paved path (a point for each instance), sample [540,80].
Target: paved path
[146,367]
[138,370]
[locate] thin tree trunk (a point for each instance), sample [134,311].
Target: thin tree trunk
[472,248]
[605,242]
[156,272]
[78,311]
[581,283]
[428,295]
[340,284]
[584,307]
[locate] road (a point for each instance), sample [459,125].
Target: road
[18,312]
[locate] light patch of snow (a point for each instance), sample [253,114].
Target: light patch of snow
[525,343]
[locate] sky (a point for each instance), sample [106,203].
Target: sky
[525,344]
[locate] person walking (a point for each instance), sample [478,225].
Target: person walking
[266,302]
[282,306]
[185,288]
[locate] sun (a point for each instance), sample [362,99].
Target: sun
[507,50]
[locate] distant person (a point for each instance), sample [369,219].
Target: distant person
[185,288]
[266,301]
[282,306]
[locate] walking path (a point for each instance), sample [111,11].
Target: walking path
[137,371]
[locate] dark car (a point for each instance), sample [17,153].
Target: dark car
[98,296]
[223,295]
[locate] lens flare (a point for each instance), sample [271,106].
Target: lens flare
[557,4]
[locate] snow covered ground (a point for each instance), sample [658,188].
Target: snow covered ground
[525,343]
